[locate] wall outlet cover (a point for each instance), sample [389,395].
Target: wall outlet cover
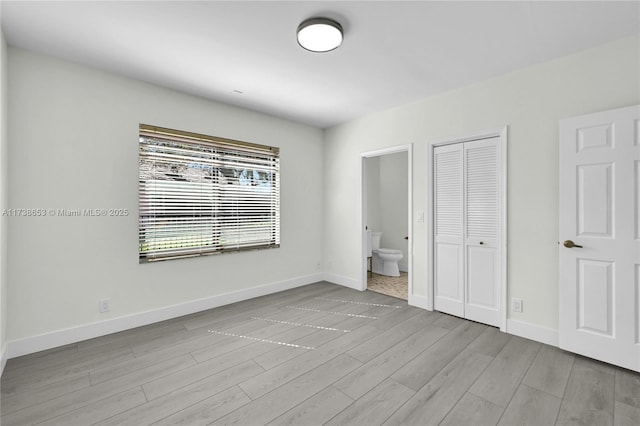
[516,304]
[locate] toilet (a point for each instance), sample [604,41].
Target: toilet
[385,261]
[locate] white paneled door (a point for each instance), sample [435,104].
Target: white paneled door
[466,230]
[600,236]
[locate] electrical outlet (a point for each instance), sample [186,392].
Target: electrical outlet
[105,305]
[318,266]
[516,304]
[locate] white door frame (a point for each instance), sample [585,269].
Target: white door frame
[502,240]
[363,246]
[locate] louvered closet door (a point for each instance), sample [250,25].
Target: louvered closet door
[448,229]
[466,228]
[481,236]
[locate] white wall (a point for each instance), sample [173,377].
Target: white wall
[74,144]
[372,177]
[4,140]
[393,203]
[531,102]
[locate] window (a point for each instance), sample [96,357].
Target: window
[202,195]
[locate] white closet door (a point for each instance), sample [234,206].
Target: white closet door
[448,229]
[466,230]
[481,195]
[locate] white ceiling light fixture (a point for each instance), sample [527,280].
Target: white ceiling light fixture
[320,34]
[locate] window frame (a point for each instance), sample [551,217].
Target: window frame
[232,206]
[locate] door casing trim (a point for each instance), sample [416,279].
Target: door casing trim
[361,204]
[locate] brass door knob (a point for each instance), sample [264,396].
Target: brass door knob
[570,244]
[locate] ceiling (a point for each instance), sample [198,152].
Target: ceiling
[246,54]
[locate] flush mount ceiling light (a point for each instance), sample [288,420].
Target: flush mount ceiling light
[319,34]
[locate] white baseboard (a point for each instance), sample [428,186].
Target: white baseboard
[89,331]
[533,332]
[343,281]
[419,301]
[3,358]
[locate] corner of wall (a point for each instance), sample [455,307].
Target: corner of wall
[3,199]
[343,281]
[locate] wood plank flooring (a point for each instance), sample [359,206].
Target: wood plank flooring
[319,354]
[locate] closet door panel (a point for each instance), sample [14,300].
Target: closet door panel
[449,279]
[448,227]
[481,215]
[481,290]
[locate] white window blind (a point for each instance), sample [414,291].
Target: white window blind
[202,195]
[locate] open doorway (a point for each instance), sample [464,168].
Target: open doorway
[386,218]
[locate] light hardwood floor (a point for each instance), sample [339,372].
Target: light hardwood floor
[319,354]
